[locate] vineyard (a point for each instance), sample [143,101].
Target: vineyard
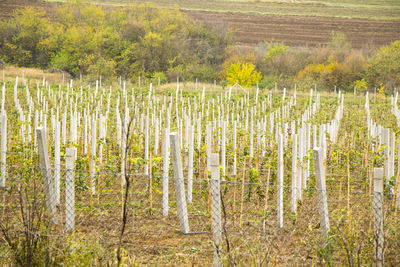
[177,175]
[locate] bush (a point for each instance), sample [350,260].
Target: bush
[158,76]
[320,72]
[385,66]
[203,73]
[176,72]
[361,85]
[339,45]
[242,73]
[237,54]
[342,75]
[267,82]
[274,50]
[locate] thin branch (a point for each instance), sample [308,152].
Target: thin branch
[127,183]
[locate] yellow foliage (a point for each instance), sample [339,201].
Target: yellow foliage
[361,85]
[381,89]
[242,73]
[317,70]
[274,50]
[234,54]
[153,39]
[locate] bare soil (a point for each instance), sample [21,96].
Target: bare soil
[299,30]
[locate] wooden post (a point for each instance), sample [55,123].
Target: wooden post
[208,144]
[151,184]
[93,158]
[70,190]
[251,136]
[234,149]
[179,185]
[321,186]
[386,139]
[85,134]
[124,133]
[216,208]
[280,181]
[3,147]
[46,170]
[57,156]
[199,134]
[223,149]
[165,171]
[146,145]
[190,164]
[63,127]
[156,136]
[378,216]
[294,174]
[398,178]
[391,155]
[101,138]
[300,173]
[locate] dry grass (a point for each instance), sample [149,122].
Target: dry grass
[370,9]
[31,75]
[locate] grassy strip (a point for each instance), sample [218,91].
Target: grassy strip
[341,9]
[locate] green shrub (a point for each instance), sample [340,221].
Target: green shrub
[202,73]
[267,82]
[385,66]
[158,76]
[81,252]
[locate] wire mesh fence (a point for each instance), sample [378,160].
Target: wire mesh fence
[249,231]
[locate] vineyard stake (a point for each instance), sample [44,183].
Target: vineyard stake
[3,147]
[280,181]
[70,190]
[190,166]
[165,172]
[294,174]
[216,208]
[322,197]
[179,184]
[378,216]
[46,170]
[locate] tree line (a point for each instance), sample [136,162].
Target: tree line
[140,40]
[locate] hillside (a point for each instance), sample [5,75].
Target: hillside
[293,24]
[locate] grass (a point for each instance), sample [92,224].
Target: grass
[31,74]
[369,9]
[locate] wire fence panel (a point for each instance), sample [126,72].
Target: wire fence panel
[248,218]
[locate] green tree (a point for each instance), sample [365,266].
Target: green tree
[21,37]
[274,50]
[86,39]
[385,66]
[339,45]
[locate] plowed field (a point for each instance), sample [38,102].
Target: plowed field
[300,30]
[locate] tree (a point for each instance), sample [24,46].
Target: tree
[21,37]
[385,66]
[85,39]
[274,50]
[242,73]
